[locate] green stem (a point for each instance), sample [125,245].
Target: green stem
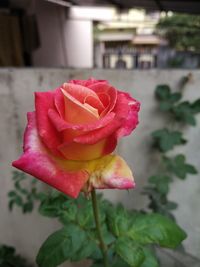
[102,245]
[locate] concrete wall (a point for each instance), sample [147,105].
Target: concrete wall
[27,232]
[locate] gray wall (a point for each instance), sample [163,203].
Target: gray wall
[27,232]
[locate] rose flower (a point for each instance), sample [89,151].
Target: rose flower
[73,131]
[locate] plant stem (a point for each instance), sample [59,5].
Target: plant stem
[102,245]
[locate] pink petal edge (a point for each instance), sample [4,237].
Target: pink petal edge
[61,125]
[43,102]
[38,162]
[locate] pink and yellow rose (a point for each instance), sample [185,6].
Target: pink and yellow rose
[73,131]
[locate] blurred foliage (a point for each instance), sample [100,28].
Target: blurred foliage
[179,113]
[177,166]
[130,236]
[9,258]
[166,140]
[181,30]
[23,196]
[175,62]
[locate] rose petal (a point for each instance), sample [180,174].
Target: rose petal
[126,108]
[97,135]
[43,102]
[126,119]
[84,152]
[105,99]
[110,172]
[79,92]
[131,100]
[84,95]
[67,176]
[59,103]
[129,124]
[91,109]
[94,102]
[76,112]
[62,125]
[110,145]
[87,82]
[105,89]
[74,151]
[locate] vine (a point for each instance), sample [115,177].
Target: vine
[171,166]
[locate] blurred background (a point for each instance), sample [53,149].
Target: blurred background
[136,45]
[102,34]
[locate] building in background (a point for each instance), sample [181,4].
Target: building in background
[128,41]
[43,33]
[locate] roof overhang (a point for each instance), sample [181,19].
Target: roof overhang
[148,40]
[183,6]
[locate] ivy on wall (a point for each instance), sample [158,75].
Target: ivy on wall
[180,113]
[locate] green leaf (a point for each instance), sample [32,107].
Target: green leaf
[161,182]
[179,167]
[167,105]
[9,258]
[40,196]
[61,246]
[23,196]
[86,250]
[185,113]
[28,207]
[97,265]
[19,188]
[159,203]
[129,251]
[118,262]
[52,205]
[69,213]
[156,229]
[196,106]
[165,140]
[150,259]
[12,194]
[18,175]
[108,237]
[96,255]
[162,92]
[171,205]
[166,98]
[118,221]
[19,201]
[175,97]
[85,215]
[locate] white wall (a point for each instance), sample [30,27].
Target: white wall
[79,43]
[27,232]
[93,13]
[64,42]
